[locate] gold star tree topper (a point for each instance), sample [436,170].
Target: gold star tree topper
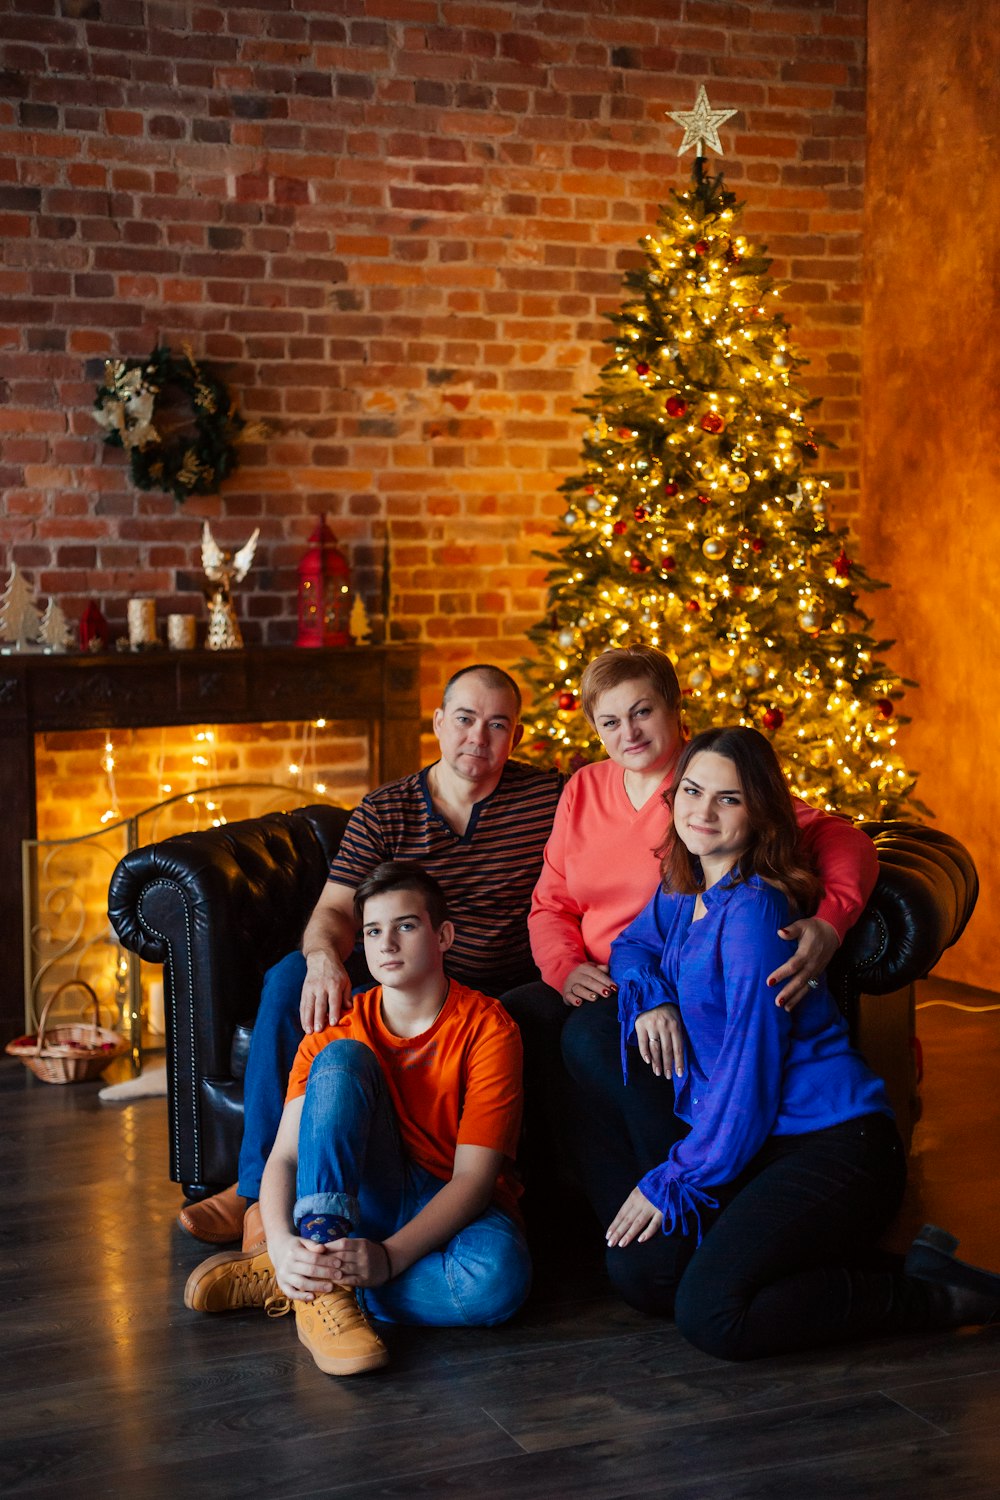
[701,124]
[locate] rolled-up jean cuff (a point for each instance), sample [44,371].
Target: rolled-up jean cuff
[341,1204]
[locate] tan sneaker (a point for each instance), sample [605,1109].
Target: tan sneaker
[254,1238]
[231,1280]
[338,1335]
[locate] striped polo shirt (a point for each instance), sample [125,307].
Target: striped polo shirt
[487,873]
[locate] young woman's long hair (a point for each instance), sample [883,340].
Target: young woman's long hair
[774,851]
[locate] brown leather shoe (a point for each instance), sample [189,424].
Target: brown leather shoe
[218,1220]
[254,1238]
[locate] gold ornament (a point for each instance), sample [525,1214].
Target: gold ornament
[699,678]
[753,672]
[809,619]
[739,482]
[713,547]
[700,124]
[222,571]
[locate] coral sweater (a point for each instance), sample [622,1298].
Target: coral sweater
[599,869]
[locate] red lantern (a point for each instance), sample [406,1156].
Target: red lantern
[324,592]
[94,628]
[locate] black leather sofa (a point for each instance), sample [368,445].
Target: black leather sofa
[218,907]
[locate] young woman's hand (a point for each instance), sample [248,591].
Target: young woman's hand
[637,1219]
[587,982]
[660,1037]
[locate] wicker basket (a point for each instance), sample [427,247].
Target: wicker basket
[73,1051]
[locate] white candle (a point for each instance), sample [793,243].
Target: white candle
[181,632]
[141,622]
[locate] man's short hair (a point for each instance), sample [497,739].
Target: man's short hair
[402,875]
[623,664]
[494,677]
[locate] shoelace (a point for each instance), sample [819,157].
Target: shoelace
[277,1305]
[249,1288]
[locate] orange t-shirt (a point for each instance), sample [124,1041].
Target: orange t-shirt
[456,1084]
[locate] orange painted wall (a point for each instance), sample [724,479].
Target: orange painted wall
[930,522]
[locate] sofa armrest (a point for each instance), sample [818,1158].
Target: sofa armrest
[925,894]
[217,908]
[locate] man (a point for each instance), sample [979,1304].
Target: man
[478,823]
[389,1189]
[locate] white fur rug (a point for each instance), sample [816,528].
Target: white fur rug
[149,1084]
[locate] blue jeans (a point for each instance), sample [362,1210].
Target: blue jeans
[352,1163]
[274,1042]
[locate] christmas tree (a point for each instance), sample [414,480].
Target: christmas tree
[697,525]
[19,618]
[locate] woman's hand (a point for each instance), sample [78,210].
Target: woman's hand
[817,943]
[637,1219]
[588,982]
[660,1037]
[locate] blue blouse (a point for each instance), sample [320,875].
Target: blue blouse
[751,1069]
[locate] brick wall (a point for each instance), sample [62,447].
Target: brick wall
[393,227]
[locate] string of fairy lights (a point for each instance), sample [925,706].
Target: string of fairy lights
[694,524]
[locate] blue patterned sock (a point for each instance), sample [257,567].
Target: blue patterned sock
[321,1228]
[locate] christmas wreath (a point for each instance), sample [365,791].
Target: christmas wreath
[174,419]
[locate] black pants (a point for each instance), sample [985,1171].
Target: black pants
[788,1261]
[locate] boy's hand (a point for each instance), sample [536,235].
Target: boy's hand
[360,1262]
[304,1270]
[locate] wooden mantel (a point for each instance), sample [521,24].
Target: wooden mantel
[377,685]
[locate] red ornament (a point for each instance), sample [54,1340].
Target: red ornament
[693,607]
[638,564]
[773,718]
[757,545]
[703,499]
[701,247]
[809,445]
[640,512]
[324,592]
[641,367]
[676,406]
[619,528]
[668,563]
[886,707]
[842,565]
[588,489]
[670,488]
[567,700]
[624,432]
[94,628]
[712,422]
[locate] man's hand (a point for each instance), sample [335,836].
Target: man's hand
[325,993]
[302,1269]
[817,943]
[588,982]
[660,1036]
[636,1219]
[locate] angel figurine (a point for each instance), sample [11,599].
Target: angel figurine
[222,571]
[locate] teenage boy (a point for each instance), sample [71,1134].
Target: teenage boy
[389,1188]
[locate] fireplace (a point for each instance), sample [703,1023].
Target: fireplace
[268,694]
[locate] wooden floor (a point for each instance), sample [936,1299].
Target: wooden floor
[109,1387]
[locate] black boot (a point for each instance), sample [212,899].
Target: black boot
[967,1293]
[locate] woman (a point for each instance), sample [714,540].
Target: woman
[599,869]
[758,1229]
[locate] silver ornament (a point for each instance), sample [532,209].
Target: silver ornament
[593,505]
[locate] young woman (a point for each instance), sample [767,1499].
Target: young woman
[759,1229]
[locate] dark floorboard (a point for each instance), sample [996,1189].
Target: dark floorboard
[109,1386]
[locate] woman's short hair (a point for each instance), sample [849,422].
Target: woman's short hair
[625,664]
[774,851]
[402,875]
